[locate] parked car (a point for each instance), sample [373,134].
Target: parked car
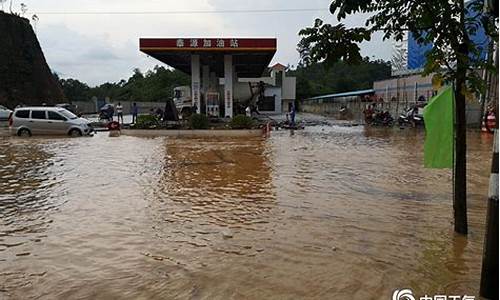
[27,121]
[4,113]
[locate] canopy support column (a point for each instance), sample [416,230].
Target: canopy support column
[205,78]
[195,82]
[228,85]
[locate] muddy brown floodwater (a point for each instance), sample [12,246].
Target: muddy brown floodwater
[326,213]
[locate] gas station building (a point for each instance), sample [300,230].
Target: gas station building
[227,74]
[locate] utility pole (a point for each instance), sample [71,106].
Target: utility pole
[489,272]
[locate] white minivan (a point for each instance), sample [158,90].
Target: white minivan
[27,121]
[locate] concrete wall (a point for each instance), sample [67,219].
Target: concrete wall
[85,107]
[394,95]
[354,106]
[403,89]
[289,88]
[355,109]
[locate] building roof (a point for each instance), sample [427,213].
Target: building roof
[251,56]
[345,94]
[278,67]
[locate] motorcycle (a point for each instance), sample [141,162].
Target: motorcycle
[106,113]
[411,117]
[382,119]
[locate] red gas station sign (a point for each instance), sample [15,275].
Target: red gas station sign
[208,44]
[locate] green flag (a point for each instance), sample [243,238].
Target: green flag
[439,123]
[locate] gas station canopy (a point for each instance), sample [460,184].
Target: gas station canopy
[250,56]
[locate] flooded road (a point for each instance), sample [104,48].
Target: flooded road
[326,213]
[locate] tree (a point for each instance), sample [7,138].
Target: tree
[24,9]
[75,90]
[137,75]
[156,85]
[444,24]
[317,79]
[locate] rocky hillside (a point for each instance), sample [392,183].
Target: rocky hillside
[25,76]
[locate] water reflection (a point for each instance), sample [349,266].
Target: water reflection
[29,196]
[226,183]
[211,191]
[27,192]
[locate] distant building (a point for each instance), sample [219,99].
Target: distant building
[287,85]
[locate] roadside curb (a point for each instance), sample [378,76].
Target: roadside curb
[192,133]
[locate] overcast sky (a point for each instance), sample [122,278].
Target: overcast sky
[100,48]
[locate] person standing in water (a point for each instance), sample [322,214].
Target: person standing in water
[248,111]
[119,112]
[135,112]
[292,115]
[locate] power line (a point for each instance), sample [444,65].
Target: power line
[182,12]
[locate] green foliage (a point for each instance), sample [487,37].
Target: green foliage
[322,33]
[241,122]
[156,85]
[443,24]
[75,90]
[317,79]
[198,121]
[146,122]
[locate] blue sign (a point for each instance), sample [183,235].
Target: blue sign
[417,52]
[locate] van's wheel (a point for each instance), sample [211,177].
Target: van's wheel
[75,133]
[24,132]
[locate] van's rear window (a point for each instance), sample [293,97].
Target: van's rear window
[23,114]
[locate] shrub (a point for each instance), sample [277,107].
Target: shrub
[241,122]
[198,121]
[146,122]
